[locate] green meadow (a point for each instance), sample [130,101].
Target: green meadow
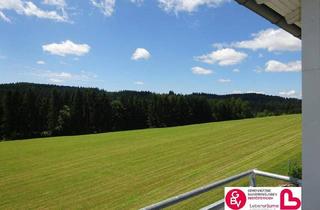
[132,169]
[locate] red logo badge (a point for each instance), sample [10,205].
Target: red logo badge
[235,199]
[287,201]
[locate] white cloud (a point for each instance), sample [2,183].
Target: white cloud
[237,92]
[64,77]
[59,3]
[288,94]
[248,92]
[256,92]
[277,66]
[56,80]
[106,6]
[236,70]
[224,80]
[224,57]
[66,48]
[52,76]
[4,17]
[271,40]
[28,8]
[32,10]
[187,5]
[201,71]
[221,45]
[139,83]
[141,53]
[41,62]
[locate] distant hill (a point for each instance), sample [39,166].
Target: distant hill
[260,102]
[33,110]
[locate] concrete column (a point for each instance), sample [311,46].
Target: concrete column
[311,103]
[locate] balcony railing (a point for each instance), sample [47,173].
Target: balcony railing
[220,204]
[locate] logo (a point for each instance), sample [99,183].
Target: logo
[266,198]
[288,201]
[235,199]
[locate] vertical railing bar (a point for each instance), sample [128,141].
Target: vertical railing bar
[252,180]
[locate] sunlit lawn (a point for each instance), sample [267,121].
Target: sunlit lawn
[132,169]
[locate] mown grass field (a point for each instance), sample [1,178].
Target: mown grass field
[131,169]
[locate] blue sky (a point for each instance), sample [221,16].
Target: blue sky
[212,46]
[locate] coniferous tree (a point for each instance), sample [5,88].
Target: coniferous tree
[77,113]
[53,111]
[64,121]
[118,115]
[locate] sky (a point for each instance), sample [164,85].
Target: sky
[211,46]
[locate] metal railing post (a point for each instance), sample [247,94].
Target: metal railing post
[252,180]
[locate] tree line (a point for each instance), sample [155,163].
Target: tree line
[34,110]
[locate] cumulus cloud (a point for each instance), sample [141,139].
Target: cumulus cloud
[224,80]
[64,77]
[224,57]
[187,5]
[139,83]
[201,71]
[277,66]
[41,62]
[66,48]
[271,40]
[141,53]
[236,70]
[28,8]
[106,6]
[288,94]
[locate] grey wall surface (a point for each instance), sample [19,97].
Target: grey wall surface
[311,103]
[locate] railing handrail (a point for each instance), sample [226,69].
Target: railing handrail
[251,173]
[277,176]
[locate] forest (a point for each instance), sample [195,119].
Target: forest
[30,110]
